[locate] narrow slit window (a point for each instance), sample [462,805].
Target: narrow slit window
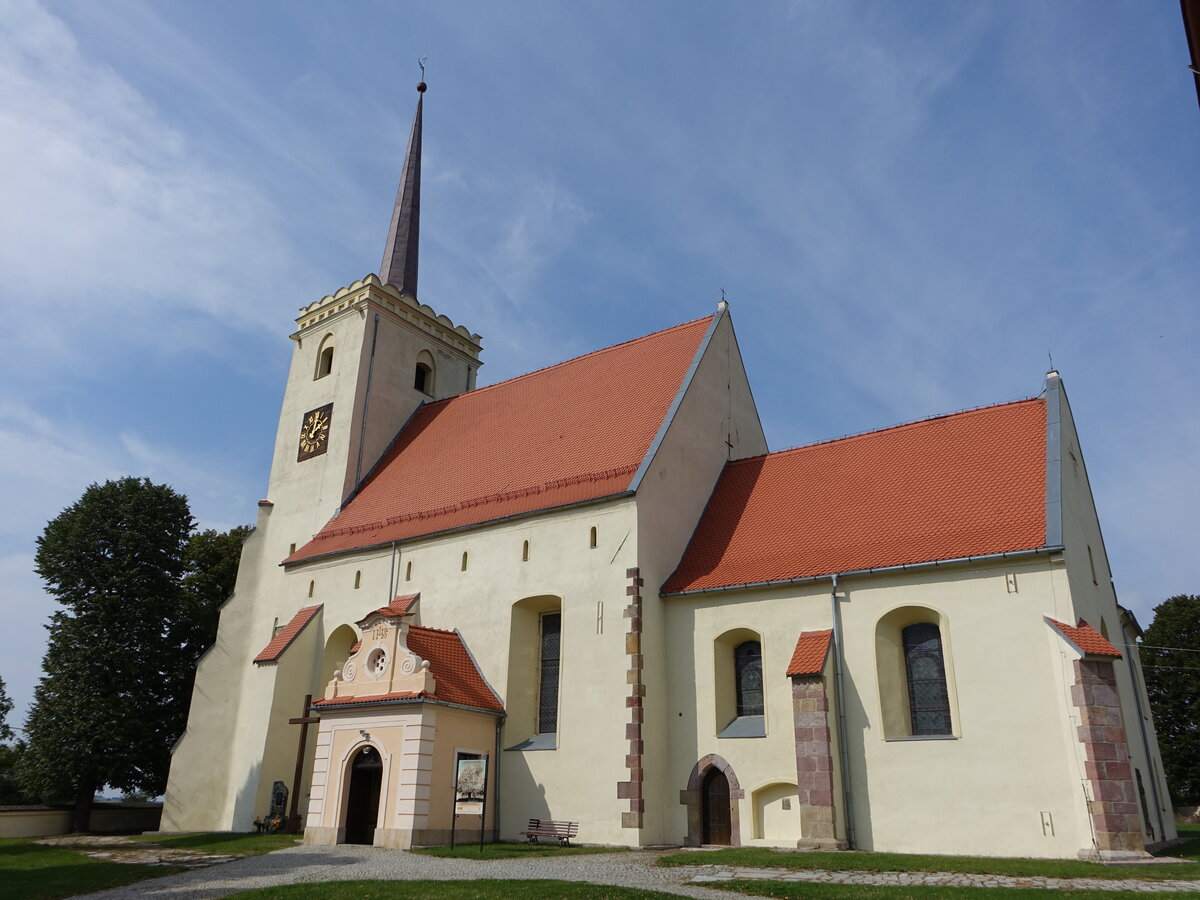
[592,538]
[312,587]
[928,699]
[1092,565]
[357,580]
[525,552]
[408,571]
[551,648]
[464,561]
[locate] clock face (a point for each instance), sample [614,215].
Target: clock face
[314,433]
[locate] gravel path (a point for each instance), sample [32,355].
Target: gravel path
[634,869]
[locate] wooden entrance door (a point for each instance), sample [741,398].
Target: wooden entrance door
[362,804]
[715,807]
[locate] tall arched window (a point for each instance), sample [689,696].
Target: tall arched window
[748,680]
[928,699]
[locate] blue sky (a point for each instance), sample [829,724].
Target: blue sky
[909,206]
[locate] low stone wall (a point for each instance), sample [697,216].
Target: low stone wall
[107,818]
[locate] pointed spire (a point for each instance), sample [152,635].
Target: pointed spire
[399,266]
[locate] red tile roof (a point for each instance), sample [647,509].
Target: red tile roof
[458,678]
[1086,639]
[573,432]
[285,635]
[809,656]
[403,605]
[967,484]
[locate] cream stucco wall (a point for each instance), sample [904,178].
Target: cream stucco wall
[223,765]
[1093,597]
[716,421]
[1013,754]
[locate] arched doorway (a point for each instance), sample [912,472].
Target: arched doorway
[714,803]
[362,802]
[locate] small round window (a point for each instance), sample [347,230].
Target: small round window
[377,662]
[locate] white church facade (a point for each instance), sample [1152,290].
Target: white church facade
[598,581]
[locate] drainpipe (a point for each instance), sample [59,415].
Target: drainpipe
[496,784]
[843,751]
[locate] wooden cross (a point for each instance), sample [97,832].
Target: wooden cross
[303,721]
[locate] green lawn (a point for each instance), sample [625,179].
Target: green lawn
[222,843]
[511,851]
[761,857]
[449,890]
[871,892]
[30,871]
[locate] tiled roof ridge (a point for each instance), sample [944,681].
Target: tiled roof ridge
[897,427]
[451,632]
[1085,638]
[566,362]
[479,501]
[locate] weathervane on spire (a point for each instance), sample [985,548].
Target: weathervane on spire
[421,62]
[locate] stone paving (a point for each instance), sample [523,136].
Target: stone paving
[633,869]
[123,850]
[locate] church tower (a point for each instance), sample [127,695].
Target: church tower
[363,359]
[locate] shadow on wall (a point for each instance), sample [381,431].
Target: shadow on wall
[858,732]
[524,797]
[685,731]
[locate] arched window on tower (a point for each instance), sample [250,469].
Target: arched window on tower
[928,699]
[324,357]
[423,377]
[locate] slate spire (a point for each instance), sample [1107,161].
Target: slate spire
[399,266]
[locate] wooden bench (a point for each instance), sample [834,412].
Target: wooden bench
[561,831]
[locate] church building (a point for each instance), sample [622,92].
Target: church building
[591,593]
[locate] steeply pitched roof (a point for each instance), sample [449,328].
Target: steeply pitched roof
[967,484]
[809,656]
[1086,639]
[288,633]
[458,679]
[573,432]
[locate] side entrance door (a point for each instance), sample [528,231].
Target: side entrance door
[715,807]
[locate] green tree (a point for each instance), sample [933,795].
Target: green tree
[211,559]
[9,794]
[116,687]
[1171,662]
[6,705]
